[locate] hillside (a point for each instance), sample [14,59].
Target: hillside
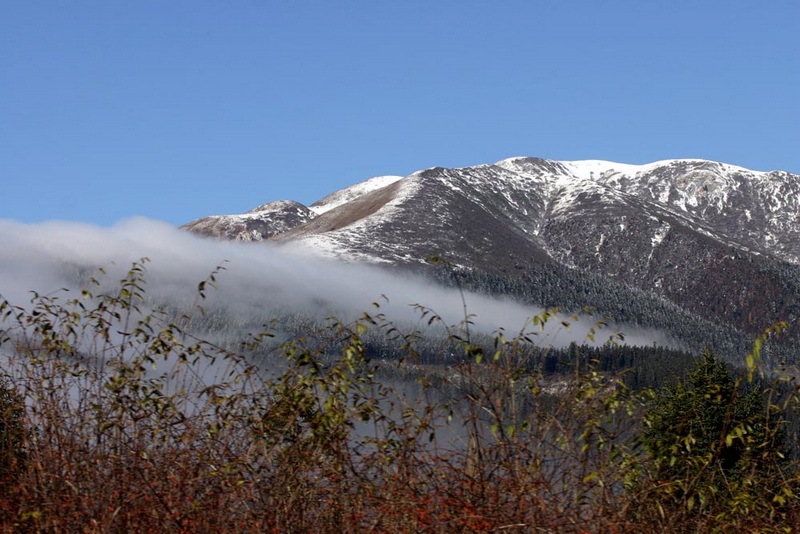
[715,244]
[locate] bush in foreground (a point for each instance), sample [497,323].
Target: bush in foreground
[122,420]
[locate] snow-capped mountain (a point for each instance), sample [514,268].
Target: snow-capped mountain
[760,209]
[717,240]
[258,224]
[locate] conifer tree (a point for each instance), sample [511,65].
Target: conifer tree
[712,439]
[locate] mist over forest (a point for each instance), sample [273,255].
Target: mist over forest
[258,283]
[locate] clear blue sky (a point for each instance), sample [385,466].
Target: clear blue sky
[179,109]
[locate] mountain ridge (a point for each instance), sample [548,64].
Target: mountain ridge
[713,238]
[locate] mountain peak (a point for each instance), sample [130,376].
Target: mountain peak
[712,238]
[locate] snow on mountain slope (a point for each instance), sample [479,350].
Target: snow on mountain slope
[351,193]
[759,210]
[342,226]
[277,217]
[716,240]
[472,214]
[755,211]
[258,224]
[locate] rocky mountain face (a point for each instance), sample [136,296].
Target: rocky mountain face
[258,224]
[720,242]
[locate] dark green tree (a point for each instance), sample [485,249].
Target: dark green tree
[713,439]
[695,417]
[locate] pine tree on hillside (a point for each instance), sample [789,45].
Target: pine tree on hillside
[710,438]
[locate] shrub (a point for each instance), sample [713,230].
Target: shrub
[135,424]
[715,448]
[11,435]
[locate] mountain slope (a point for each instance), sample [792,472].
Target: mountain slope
[258,224]
[719,241]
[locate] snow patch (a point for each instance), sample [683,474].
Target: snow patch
[659,235]
[600,243]
[348,194]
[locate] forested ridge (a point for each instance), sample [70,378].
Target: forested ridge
[556,286]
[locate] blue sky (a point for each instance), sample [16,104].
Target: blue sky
[178,109]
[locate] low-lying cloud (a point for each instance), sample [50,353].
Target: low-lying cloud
[259,279]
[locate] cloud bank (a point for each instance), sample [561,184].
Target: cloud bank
[259,279]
